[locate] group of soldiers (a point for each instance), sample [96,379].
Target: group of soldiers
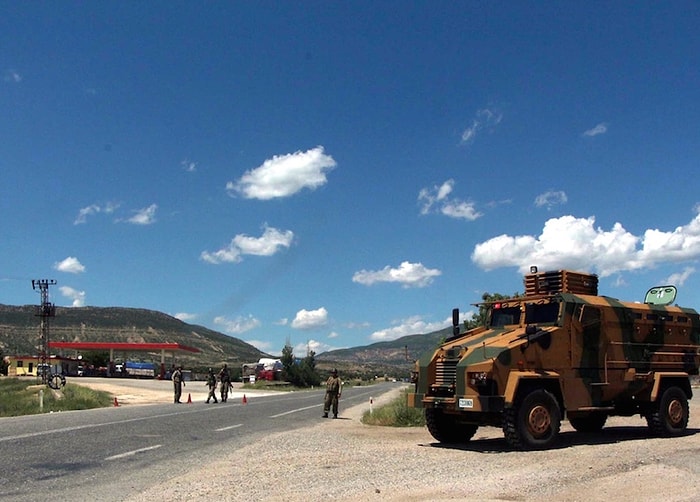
[334,387]
[225,384]
[224,379]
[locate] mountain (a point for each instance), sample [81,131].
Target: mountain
[394,357]
[20,333]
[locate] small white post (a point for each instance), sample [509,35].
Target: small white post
[41,399]
[371,402]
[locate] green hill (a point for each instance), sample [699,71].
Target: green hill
[393,357]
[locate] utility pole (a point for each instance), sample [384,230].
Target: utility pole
[45,310]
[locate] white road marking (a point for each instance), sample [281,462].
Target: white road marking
[133,452]
[294,411]
[92,426]
[227,428]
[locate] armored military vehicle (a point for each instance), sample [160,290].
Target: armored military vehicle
[561,351]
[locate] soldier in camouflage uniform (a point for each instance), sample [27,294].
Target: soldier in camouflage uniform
[333,389]
[178,382]
[211,383]
[225,379]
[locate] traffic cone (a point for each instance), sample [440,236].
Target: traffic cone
[116,403]
[245,401]
[189,398]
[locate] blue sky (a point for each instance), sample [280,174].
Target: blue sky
[335,174]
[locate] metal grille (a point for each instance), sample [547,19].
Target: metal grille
[446,371]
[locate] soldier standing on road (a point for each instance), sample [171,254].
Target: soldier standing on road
[334,387]
[211,383]
[178,382]
[225,379]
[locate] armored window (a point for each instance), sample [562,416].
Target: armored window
[503,316]
[537,313]
[682,319]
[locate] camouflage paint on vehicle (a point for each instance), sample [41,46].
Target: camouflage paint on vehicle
[561,351]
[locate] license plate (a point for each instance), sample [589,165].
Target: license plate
[466,403]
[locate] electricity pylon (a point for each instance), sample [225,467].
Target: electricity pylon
[45,310]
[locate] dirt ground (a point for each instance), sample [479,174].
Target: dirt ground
[344,460]
[134,391]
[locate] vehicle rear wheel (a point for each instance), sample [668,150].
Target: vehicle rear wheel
[534,421]
[445,428]
[588,422]
[670,414]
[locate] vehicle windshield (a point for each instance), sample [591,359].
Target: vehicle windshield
[504,314]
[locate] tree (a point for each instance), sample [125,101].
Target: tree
[308,370]
[3,364]
[299,374]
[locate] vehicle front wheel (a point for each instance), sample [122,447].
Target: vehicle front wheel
[670,414]
[534,421]
[445,428]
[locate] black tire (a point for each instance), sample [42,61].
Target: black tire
[534,422]
[588,422]
[670,414]
[445,428]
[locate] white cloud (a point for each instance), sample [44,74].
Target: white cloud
[238,325]
[185,317]
[108,208]
[12,76]
[601,128]
[284,175]
[70,265]
[436,199]
[145,216]
[407,274]
[271,241]
[575,243]
[679,279]
[551,198]
[412,326]
[485,119]
[265,346]
[310,319]
[189,166]
[302,349]
[77,297]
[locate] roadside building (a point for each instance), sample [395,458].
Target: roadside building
[19,365]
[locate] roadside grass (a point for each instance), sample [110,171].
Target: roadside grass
[21,397]
[395,414]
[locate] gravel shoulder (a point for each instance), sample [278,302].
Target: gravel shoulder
[344,460]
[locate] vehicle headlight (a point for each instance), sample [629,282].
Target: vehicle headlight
[478,378]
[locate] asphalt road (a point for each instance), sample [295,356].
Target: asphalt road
[94,454]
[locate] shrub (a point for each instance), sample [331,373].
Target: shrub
[395,414]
